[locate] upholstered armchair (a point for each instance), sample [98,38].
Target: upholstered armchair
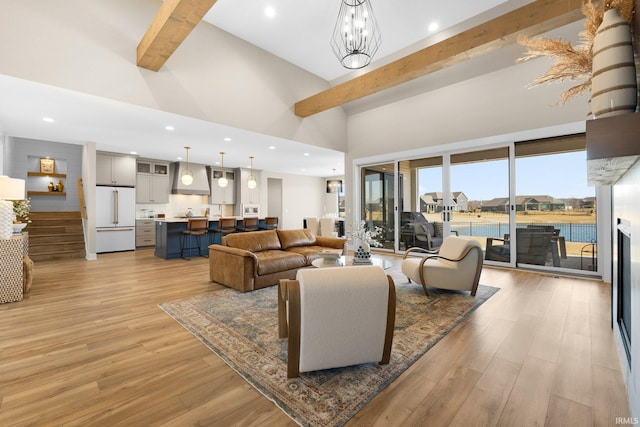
[456,266]
[335,317]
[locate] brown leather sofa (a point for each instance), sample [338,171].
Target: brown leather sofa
[257,259]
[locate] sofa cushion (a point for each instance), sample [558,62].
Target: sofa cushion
[253,241]
[291,238]
[274,261]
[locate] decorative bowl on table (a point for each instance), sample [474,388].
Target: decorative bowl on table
[18,227]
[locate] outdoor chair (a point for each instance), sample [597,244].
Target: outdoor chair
[456,266]
[336,317]
[424,236]
[532,247]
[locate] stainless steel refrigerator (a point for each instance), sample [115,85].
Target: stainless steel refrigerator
[115,219]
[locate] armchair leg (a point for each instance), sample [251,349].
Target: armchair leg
[426,292]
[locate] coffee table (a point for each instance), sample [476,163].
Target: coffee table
[348,260]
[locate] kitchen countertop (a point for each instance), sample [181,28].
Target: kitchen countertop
[212,218]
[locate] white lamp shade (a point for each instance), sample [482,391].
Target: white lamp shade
[222,182]
[11,188]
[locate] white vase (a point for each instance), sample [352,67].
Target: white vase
[613,84]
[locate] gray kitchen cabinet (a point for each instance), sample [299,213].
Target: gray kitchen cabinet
[152,182]
[115,170]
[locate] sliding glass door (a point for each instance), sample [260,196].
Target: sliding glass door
[378,202]
[555,208]
[526,203]
[480,200]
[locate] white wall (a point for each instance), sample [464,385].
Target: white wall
[486,108]
[625,196]
[90,47]
[302,196]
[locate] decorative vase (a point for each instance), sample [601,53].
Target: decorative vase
[60,186]
[362,253]
[613,84]
[50,186]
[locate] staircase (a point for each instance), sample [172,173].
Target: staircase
[55,235]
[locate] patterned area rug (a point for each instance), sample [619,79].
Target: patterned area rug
[243,330]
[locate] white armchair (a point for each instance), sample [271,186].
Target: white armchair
[456,266]
[336,317]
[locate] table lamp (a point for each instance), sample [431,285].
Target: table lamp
[10,189]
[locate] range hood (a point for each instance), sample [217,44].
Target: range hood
[200,184]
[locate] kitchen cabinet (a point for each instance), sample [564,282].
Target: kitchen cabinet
[152,182]
[115,170]
[222,195]
[145,232]
[249,195]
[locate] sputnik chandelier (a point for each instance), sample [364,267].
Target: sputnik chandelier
[356,37]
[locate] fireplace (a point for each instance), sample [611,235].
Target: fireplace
[623,286]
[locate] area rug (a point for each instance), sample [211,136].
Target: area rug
[243,330]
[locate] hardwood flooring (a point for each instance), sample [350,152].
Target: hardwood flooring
[89,346]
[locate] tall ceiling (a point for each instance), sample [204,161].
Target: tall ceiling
[299,32]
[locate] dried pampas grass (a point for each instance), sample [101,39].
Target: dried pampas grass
[573,63]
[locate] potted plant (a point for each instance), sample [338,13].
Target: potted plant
[21,209]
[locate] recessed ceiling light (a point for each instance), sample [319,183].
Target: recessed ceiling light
[306,154]
[433,26]
[133,152]
[227,139]
[217,163]
[48,119]
[178,158]
[272,148]
[270,11]
[169,127]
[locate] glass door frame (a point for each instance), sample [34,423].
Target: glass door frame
[603,198]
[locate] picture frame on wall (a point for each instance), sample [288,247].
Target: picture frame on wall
[47,166]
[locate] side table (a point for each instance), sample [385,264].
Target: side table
[11,273]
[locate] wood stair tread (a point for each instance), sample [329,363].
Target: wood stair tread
[56,235]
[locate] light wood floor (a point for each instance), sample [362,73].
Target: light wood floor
[89,346]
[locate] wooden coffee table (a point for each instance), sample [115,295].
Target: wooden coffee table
[348,260]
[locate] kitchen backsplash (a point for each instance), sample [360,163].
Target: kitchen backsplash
[178,205]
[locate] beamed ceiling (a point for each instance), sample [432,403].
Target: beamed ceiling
[177,18]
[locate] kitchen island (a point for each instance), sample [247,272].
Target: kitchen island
[169,236]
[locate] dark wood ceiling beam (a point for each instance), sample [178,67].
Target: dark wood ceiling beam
[535,18]
[172,24]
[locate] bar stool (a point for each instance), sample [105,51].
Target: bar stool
[197,227]
[270,223]
[249,224]
[225,226]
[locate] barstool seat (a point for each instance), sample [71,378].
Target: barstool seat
[249,224]
[225,226]
[197,227]
[270,223]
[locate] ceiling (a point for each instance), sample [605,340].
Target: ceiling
[299,32]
